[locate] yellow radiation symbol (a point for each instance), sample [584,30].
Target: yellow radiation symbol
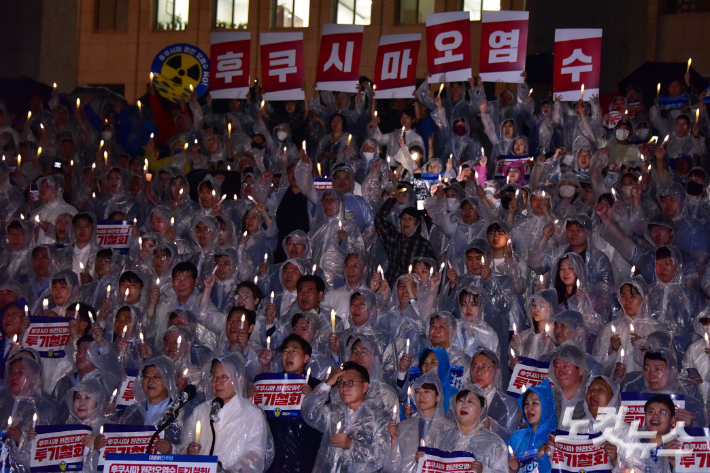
[277,412]
[178,73]
[63,466]
[50,353]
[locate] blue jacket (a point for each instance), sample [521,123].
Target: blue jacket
[443,371]
[525,442]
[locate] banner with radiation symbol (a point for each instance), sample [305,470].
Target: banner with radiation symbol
[178,67]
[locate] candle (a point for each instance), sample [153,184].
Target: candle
[515,328]
[198,431]
[262,105]
[179,342]
[525,388]
[406,349]
[319,170]
[308,374]
[690,60]
[340,224]
[29,115]
[101,430]
[707,341]
[76,311]
[140,105]
[332,319]
[266,257]
[157,282]
[422,443]
[510,450]
[91,317]
[666,139]
[622,355]
[697,114]
[431,271]
[272,297]
[184,373]
[633,270]
[78,103]
[382,273]
[125,329]
[125,295]
[394,412]
[327,373]
[242,326]
[631,328]
[512,353]
[547,329]
[192,89]
[229,128]
[54,85]
[402,132]
[27,311]
[409,395]
[9,422]
[543,194]
[582,97]
[140,335]
[313,269]
[151,76]
[337,427]
[45,303]
[443,265]
[34,416]
[658,89]
[613,329]
[441,87]
[351,136]
[304,145]
[577,283]
[113,395]
[268,343]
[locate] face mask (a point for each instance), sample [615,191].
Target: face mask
[451,203]
[368,154]
[694,188]
[622,134]
[460,130]
[106,135]
[567,191]
[626,190]
[281,135]
[642,133]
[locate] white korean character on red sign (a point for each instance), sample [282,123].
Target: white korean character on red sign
[346,64]
[391,64]
[339,58]
[504,46]
[282,63]
[577,63]
[396,65]
[448,37]
[229,65]
[446,43]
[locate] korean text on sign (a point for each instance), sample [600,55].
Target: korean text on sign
[282,71]
[576,454]
[120,463]
[504,41]
[396,65]
[125,394]
[527,373]
[47,335]
[577,63]
[448,40]
[339,58]
[113,234]
[58,447]
[129,439]
[440,461]
[696,443]
[230,55]
[279,394]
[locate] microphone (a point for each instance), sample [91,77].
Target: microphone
[172,410]
[217,405]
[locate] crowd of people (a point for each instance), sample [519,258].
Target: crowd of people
[401,256]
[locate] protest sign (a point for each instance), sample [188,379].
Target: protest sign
[122,463]
[504,43]
[339,58]
[503,161]
[127,439]
[636,402]
[58,448]
[396,65]
[527,373]
[176,68]
[47,335]
[279,394]
[448,45]
[282,66]
[125,394]
[577,63]
[230,54]
[114,234]
[579,454]
[440,461]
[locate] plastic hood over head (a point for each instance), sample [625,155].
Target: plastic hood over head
[166,367]
[93,388]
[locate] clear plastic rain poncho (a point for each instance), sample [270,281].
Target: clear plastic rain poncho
[569,353]
[527,233]
[486,447]
[643,324]
[328,251]
[456,356]
[384,340]
[578,127]
[691,235]
[443,371]
[129,357]
[514,267]
[118,198]
[461,147]
[526,442]
[473,330]
[242,438]
[14,262]
[669,382]
[502,408]
[49,210]
[11,198]
[379,390]
[181,353]
[222,295]
[59,307]
[80,412]
[569,206]
[272,281]
[695,356]
[23,395]
[366,426]
[259,242]
[410,432]
[205,240]
[140,413]
[95,292]
[536,342]
[403,319]
[673,303]
[583,301]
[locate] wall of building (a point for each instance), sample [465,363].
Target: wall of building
[682,36]
[20,37]
[59,51]
[125,57]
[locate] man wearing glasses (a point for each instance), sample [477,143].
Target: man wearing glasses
[355,431]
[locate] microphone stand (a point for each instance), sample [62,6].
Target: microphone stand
[165,425]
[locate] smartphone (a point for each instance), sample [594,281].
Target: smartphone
[57,165]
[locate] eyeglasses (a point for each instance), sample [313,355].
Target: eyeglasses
[243,296]
[220,379]
[152,378]
[661,412]
[482,368]
[359,353]
[349,383]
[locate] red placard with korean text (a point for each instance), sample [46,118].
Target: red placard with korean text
[448,46]
[396,65]
[339,58]
[578,58]
[282,66]
[230,55]
[504,44]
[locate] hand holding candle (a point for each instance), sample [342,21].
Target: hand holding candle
[198,431]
